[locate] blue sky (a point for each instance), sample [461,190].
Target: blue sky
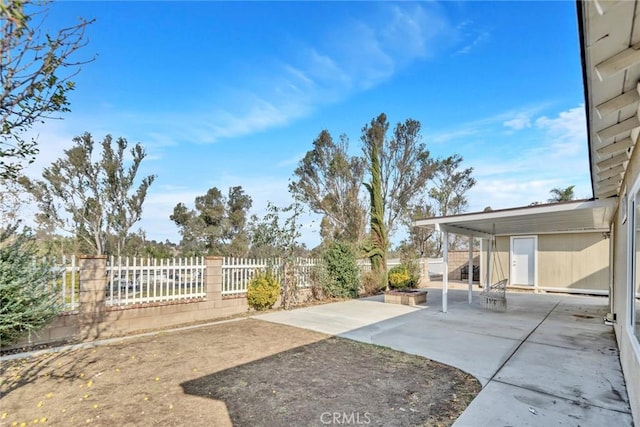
[233,93]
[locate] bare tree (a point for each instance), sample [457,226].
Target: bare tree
[36,69]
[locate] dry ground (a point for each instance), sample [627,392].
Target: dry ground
[244,373]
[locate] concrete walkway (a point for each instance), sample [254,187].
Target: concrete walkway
[549,360]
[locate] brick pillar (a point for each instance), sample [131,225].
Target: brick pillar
[213,279]
[93,283]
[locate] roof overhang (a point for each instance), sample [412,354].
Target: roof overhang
[567,217]
[610,48]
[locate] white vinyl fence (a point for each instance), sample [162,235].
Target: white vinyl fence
[238,272]
[140,280]
[66,282]
[365,264]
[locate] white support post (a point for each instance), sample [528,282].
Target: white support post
[445,270]
[488,279]
[470,264]
[481,263]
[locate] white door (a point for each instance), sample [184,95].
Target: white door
[523,255]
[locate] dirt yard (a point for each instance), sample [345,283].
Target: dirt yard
[243,373]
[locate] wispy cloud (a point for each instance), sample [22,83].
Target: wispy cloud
[354,55]
[519,118]
[291,161]
[519,155]
[478,40]
[521,121]
[568,131]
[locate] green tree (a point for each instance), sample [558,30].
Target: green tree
[562,194]
[217,225]
[96,201]
[377,251]
[27,298]
[450,186]
[329,181]
[400,168]
[36,68]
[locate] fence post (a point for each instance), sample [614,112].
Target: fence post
[425,279]
[93,284]
[213,278]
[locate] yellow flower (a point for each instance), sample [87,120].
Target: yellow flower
[48,395]
[157,378]
[3,415]
[82,375]
[89,383]
[43,419]
[40,404]
[95,406]
[146,398]
[86,396]
[117,369]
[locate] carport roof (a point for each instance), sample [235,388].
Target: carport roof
[574,216]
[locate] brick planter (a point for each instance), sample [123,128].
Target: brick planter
[408,297]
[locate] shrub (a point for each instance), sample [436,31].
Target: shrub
[28,301]
[401,277]
[342,276]
[263,291]
[372,283]
[319,278]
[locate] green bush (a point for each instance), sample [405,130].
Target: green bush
[28,299]
[342,275]
[263,291]
[403,276]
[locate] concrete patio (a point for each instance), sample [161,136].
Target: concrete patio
[549,360]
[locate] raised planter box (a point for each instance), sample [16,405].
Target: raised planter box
[408,297]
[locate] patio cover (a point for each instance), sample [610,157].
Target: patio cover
[573,216]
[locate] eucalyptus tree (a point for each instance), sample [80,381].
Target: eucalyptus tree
[329,180]
[36,68]
[400,167]
[450,186]
[96,201]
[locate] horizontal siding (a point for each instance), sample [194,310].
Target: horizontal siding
[565,261]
